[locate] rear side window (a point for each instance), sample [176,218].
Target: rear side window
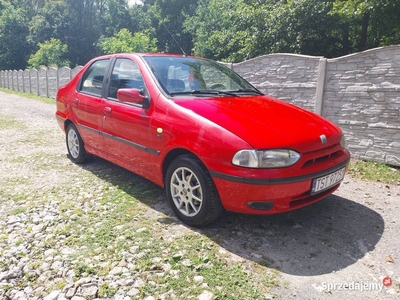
[92,80]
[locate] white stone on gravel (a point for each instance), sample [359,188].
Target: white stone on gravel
[67,251]
[116,271]
[78,298]
[53,295]
[70,292]
[89,290]
[133,292]
[198,278]
[20,295]
[139,283]
[83,281]
[13,219]
[205,295]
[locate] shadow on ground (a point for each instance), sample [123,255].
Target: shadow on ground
[324,237]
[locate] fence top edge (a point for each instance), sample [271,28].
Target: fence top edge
[300,56]
[365,52]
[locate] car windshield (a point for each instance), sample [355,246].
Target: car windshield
[195,76]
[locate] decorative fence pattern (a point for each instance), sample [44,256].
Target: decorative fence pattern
[359,92]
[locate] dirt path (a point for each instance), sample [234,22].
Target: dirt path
[340,248]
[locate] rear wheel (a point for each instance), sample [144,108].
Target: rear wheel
[76,149]
[191,191]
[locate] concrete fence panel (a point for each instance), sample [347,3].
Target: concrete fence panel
[75,71]
[64,76]
[14,80]
[52,83]
[34,82]
[362,95]
[20,80]
[42,75]
[289,77]
[27,81]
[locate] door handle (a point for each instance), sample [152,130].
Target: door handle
[107,110]
[75,101]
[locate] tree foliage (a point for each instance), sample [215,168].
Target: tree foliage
[369,23]
[125,41]
[50,53]
[228,30]
[13,50]
[168,16]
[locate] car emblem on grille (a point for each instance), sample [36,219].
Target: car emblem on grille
[323,138]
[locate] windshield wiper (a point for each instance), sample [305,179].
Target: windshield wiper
[204,92]
[246,91]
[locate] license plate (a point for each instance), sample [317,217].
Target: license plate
[325,182]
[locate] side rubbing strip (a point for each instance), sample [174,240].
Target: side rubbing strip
[121,140]
[60,119]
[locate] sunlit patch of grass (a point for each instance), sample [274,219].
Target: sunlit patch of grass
[30,96]
[374,171]
[10,122]
[106,290]
[18,210]
[197,266]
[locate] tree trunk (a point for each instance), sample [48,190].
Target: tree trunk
[345,39]
[362,45]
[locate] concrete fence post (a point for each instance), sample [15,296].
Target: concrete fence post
[30,82]
[47,82]
[319,94]
[37,84]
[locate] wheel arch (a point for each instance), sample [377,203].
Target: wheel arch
[174,154]
[66,123]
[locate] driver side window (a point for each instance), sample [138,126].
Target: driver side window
[125,74]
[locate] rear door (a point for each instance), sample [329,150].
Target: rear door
[87,104]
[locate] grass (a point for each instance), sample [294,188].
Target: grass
[374,171]
[29,95]
[7,122]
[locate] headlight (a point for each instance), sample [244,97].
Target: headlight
[276,158]
[343,142]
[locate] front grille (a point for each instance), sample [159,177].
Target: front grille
[320,159]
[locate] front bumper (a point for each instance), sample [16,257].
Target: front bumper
[282,194]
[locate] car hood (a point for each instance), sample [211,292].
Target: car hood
[264,122]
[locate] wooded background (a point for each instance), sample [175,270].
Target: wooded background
[70,32]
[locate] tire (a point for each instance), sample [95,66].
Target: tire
[191,192]
[75,146]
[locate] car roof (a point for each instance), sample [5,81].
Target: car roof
[144,54]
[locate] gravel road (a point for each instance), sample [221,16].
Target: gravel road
[342,247]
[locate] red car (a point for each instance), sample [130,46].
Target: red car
[201,131]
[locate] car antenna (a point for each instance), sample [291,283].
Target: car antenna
[183,51]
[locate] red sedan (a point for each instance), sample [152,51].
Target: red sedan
[201,131]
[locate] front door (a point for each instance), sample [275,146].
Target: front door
[126,125]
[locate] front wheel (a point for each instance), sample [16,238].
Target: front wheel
[76,149]
[191,191]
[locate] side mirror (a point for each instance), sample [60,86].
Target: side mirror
[132,96]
